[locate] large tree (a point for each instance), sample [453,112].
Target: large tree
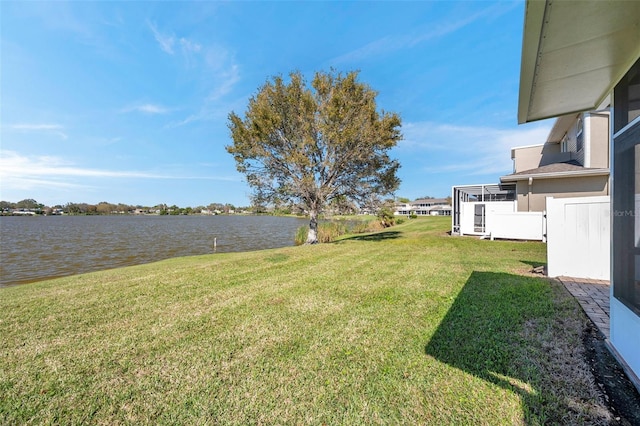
[313,144]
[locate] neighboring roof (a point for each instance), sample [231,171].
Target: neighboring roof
[574,53]
[430,201]
[556,170]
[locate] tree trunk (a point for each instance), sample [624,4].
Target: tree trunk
[312,235]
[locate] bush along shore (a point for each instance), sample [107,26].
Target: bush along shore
[330,230]
[407,325]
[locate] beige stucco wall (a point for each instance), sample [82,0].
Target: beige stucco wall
[599,128]
[594,154]
[585,186]
[526,158]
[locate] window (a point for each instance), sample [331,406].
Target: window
[579,136]
[564,144]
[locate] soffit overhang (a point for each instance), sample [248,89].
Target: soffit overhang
[573,54]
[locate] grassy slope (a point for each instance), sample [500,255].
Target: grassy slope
[406,326]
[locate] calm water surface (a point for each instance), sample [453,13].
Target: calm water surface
[37,248]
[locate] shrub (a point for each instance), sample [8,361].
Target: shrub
[387,218]
[330,231]
[413,216]
[360,227]
[327,232]
[374,226]
[301,235]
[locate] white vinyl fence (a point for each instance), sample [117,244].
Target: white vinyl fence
[578,237]
[517,226]
[475,216]
[499,219]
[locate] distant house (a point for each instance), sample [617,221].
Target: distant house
[424,207]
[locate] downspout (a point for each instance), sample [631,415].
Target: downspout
[586,135]
[529,195]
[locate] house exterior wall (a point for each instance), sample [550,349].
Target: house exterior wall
[586,140]
[598,155]
[567,187]
[526,157]
[552,153]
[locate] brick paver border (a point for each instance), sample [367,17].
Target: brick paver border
[593,296]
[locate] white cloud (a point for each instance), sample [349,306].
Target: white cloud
[189,46]
[168,42]
[14,164]
[24,172]
[209,111]
[56,129]
[471,150]
[216,65]
[226,75]
[17,183]
[147,109]
[405,41]
[225,81]
[36,126]
[165,41]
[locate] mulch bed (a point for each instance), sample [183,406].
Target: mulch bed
[619,394]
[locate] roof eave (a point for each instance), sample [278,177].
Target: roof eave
[555,175]
[573,54]
[533,21]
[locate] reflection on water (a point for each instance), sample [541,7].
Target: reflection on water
[37,248]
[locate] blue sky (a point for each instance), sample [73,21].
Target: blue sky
[127,102]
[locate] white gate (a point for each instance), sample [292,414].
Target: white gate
[578,237]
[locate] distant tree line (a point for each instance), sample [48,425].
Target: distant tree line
[338,206]
[106,208]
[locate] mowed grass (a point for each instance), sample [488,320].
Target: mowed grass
[406,326]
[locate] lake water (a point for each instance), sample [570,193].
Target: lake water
[42,247]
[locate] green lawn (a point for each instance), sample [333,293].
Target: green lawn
[407,326]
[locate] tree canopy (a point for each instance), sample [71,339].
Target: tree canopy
[318,143]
